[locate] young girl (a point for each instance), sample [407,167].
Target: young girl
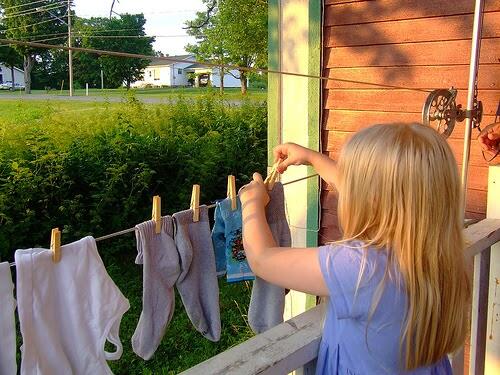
[397,282]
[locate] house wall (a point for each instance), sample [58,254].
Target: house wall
[7,75]
[419,44]
[176,78]
[229,80]
[155,76]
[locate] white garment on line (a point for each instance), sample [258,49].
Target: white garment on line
[8,364]
[67,311]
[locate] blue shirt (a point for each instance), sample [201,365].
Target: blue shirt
[230,257]
[353,342]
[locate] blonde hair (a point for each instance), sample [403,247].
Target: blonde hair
[399,189]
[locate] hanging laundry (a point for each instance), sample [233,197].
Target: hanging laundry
[197,283]
[267,302]
[219,243]
[158,255]
[8,364]
[67,311]
[227,239]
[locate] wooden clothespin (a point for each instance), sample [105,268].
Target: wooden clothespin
[55,245]
[156,214]
[272,177]
[195,203]
[231,191]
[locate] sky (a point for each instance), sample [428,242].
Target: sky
[164,17]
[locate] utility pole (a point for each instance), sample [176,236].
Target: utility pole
[70,51]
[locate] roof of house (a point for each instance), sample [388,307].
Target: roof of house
[161,62]
[15,68]
[195,65]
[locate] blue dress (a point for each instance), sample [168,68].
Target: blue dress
[357,341]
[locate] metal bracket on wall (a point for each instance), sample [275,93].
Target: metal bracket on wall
[441,112]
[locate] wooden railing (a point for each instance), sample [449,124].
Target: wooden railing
[293,345]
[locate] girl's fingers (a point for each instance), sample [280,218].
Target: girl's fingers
[258,178]
[282,167]
[278,153]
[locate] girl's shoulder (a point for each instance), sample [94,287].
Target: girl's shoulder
[353,253]
[352,272]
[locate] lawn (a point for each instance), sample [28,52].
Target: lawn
[191,92]
[21,112]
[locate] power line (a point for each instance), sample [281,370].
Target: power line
[144,13]
[43,35]
[35,41]
[79,34]
[130,36]
[65,33]
[21,12]
[206,63]
[33,24]
[37,10]
[23,5]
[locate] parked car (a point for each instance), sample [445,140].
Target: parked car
[7,85]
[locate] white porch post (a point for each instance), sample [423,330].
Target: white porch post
[492,358]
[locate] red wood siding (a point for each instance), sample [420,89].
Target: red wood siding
[417,44]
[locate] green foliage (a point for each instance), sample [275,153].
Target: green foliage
[95,172]
[231,32]
[99,33]
[24,20]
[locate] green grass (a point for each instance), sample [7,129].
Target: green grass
[229,93]
[22,112]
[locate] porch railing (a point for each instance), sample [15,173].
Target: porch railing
[293,345]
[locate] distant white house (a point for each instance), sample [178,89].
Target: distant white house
[6,74]
[160,72]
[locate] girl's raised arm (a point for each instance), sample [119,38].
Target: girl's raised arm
[291,268]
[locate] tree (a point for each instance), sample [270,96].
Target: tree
[122,34]
[244,26]
[232,31]
[25,20]
[210,44]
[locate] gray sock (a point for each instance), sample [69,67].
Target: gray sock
[197,283]
[158,255]
[267,303]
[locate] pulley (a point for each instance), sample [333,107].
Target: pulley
[441,112]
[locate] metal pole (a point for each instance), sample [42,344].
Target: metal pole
[70,51]
[102,79]
[474,63]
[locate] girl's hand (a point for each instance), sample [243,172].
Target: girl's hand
[254,192]
[291,154]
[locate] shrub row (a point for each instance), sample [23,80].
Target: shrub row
[95,172]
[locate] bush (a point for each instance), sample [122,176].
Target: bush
[96,172]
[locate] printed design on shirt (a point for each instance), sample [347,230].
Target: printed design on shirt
[236,244]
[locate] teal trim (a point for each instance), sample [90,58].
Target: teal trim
[314,110]
[273,79]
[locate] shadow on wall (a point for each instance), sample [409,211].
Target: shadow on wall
[376,29]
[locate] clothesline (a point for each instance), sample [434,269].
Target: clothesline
[130,230]
[205,63]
